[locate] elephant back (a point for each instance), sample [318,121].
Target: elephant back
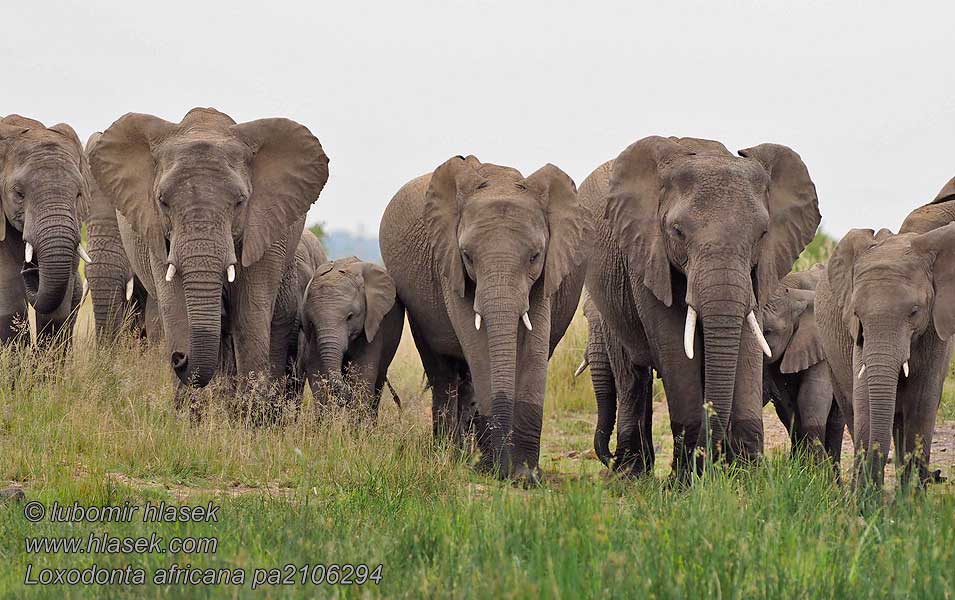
[939,212]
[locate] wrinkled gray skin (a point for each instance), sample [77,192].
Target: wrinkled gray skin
[479,239]
[624,391]
[889,299]
[682,222]
[110,274]
[350,328]
[796,379]
[202,196]
[44,178]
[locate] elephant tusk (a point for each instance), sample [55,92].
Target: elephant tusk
[905,368]
[86,289]
[527,322]
[583,367]
[477,321]
[28,253]
[230,273]
[170,272]
[129,289]
[83,254]
[754,325]
[689,331]
[861,371]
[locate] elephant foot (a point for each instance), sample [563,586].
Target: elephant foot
[527,477]
[12,494]
[631,466]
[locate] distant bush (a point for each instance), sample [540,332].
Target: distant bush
[818,251]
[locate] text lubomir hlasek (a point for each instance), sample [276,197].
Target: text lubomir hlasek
[127,512]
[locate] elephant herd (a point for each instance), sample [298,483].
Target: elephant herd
[196,238]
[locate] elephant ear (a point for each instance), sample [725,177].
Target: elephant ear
[289,170]
[793,214]
[940,244]
[83,202]
[7,132]
[124,167]
[840,269]
[946,193]
[451,184]
[379,296]
[805,346]
[633,210]
[568,221]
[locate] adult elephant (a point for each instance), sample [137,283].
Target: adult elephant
[211,213]
[44,178]
[688,232]
[888,315]
[489,265]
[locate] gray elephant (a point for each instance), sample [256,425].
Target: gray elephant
[489,265]
[688,233]
[350,328]
[796,379]
[623,390]
[211,213]
[887,315]
[44,183]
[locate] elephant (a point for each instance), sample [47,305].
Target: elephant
[211,213]
[623,390]
[44,185]
[688,232]
[119,298]
[489,265]
[351,323]
[887,316]
[796,379]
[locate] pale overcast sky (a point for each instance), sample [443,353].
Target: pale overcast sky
[865,94]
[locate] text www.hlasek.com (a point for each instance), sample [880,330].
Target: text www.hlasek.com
[107,544]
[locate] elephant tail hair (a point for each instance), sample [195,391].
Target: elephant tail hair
[394,394]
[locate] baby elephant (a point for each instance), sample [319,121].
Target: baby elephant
[351,324]
[796,379]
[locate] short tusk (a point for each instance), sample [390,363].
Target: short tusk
[129,289]
[86,289]
[861,371]
[82,252]
[689,331]
[230,273]
[28,253]
[905,368]
[754,325]
[477,321]
[527,322]
[170,272]
[583,367]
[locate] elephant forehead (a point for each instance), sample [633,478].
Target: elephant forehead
[503,203]
[712,172]
[42,142]
[208,146]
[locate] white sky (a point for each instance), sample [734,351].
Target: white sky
[865,94]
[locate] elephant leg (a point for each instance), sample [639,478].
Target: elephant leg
[634,455]
[442,374]
[814,403]
[919,397]
[835,425]
[14,324]
[533,353]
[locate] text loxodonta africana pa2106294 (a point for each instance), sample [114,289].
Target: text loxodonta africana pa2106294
[489,265]
[887,311]
[211,213]
[44,183]
[689,232]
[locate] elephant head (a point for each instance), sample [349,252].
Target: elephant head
[496,237]
[731,227]
[344,304]
[203,194]
[44,182]
[789,322]
[892,289]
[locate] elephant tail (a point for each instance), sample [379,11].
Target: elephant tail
[394,394]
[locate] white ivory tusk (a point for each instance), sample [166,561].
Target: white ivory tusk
[28,253]
[82,252]
[689,331]
[170,272]
[230,273]
[527,322]
[129,289]
[754,325]
[583,367]
[477,321]
[905,368]
[86,289]
[861,371]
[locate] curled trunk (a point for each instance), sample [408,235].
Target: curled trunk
[606,395]
[55,235]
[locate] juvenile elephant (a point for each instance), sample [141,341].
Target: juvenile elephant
[489,265]
[623,390]
[350,328]
[44,181]
[211,213]
[688,233]
[796,379]
[887,311]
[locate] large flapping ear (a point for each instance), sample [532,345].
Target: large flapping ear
[86,207]
[793,214]
[86,177]
[451,184]
[940,245]
[289,170]
[840,272]
[805,346]
[379,296]
[7,132]
[570,228]
[633,210]
[123,165]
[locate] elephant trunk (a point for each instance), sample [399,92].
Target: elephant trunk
[202,286]
[881,378]
[331,356]
[606,396]
[55,235]
[502,318]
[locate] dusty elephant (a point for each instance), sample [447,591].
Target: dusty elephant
[489,265]
[796,379]
[887,313]
[211,213]
[688,233]
[44,183]
[350,328]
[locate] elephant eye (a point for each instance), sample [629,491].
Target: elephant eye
[162,200]
[534,257]
[914,311]
[467,257]
[677,231]
[19,193]
[349,316]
